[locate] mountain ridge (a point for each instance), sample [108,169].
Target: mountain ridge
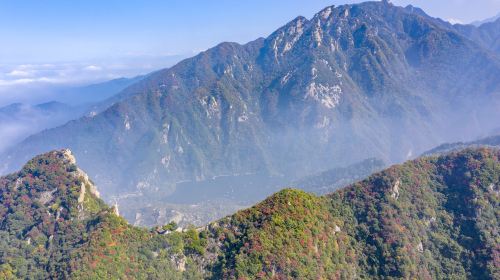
[492,142]
[355,81]
[429,218]
[488,20]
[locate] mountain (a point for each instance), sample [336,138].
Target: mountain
[94,93]
[18,121]
[369,80]
[491,35]
[488,20]
[431,218]
[54,226]
[492,141]
[484,33]
[487,34]
[333,179]
[16,109]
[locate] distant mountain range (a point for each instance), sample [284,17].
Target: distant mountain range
[18,121]
[488,20]
[432,218]
[334,179]
[95,93]
[487,34]
[369,80]
[492,141]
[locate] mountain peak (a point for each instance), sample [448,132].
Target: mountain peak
[347,82]
[326,12]
[54,180]
[68,155]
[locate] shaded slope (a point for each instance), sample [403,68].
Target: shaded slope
[487,34]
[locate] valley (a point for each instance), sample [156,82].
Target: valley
[351,83]
[359,142]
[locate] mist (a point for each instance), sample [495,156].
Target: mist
[19,121]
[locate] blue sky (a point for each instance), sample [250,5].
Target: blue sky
[49,31]
[34,31]
[53,41]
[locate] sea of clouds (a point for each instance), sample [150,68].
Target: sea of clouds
[36,83]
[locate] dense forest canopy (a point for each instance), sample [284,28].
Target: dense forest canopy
[432,218]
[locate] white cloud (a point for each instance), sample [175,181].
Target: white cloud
[30,83]
[92,68]
[49,73]
[19,73]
